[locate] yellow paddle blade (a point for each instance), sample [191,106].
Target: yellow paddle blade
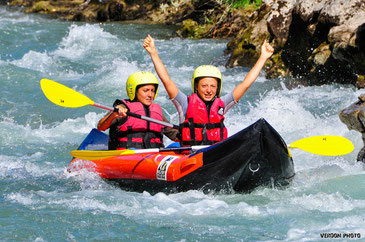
[64,96]
[329,145]
[99,154]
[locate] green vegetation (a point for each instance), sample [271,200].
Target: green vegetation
[244,3]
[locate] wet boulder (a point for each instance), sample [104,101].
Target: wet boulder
[354,118]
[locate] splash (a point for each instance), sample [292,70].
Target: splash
[83,41]
[65,131]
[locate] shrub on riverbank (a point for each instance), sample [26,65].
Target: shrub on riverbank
[244,3]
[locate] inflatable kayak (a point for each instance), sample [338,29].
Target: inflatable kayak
[255,156]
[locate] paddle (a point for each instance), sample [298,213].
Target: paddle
[327,145]
[67,97]
[101,154]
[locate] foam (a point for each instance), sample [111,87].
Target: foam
[24,167]
[65,131]
[83,40]
[352,223]
[326,202]
[14,17]
[21,199]
[36,61]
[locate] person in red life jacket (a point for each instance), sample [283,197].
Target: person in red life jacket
[129,132]
[202,113]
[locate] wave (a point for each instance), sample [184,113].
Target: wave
[68,130]
[14,17]
[87,41]
[83,41]
[33,60]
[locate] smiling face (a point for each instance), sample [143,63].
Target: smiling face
[207,88]
[145,94]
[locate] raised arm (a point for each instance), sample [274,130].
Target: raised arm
[266,52]
[170,86]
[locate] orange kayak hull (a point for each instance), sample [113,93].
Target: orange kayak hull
[167,166]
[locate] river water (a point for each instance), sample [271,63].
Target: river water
[41,201]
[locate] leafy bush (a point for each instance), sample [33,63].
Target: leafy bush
[244,3]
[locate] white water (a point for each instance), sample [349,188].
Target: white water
[42,201]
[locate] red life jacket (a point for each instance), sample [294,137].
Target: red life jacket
[130,132]
[199,128]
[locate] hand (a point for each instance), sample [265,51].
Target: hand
[266,50]
[149,44]
[122,111]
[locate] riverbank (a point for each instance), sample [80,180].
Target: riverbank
[315,43]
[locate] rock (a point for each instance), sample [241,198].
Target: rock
[354,118]
[245,48]
[360,81]
[191,29]
[114,10]
[42,6]
[321,41]
[214,20]
[321,54]
[279,19]
[351,115]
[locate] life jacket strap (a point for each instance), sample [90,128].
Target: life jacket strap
[140,140]
[202,125]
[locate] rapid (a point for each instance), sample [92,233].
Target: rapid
[41,201]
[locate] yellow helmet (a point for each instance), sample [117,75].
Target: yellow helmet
[140,78]
[207,71]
